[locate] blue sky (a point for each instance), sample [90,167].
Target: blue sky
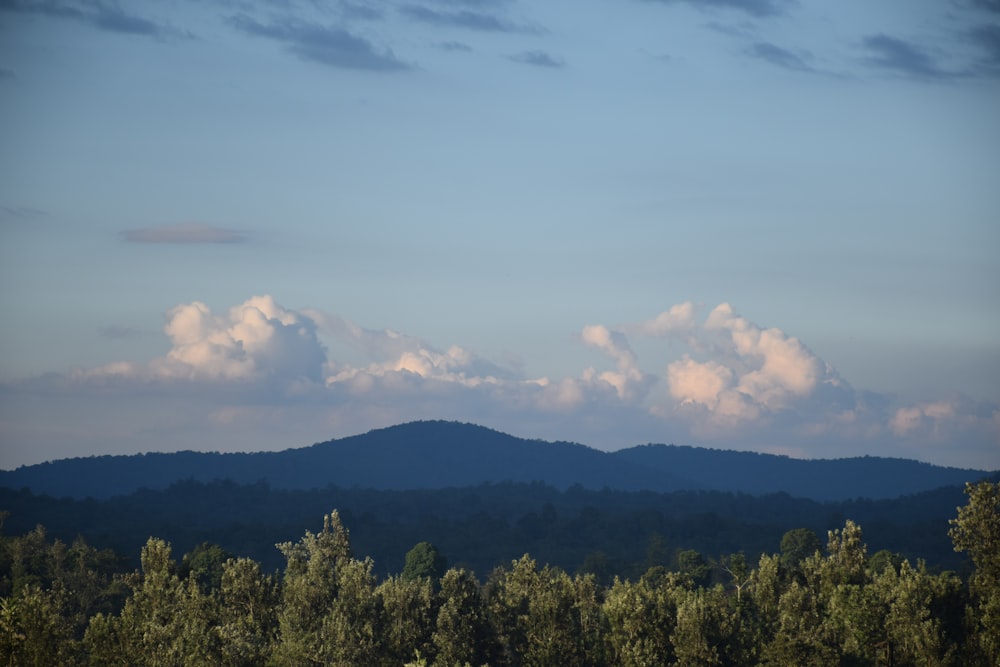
[747,224]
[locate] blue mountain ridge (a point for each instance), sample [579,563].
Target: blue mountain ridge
[438,454]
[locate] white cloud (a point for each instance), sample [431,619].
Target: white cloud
[678,319]
[629,382]
[694,382]
[780,367]
[751,372]
[942,419]
[255,340]
[734,384]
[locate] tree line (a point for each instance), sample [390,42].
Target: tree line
[615,532]
[807,605]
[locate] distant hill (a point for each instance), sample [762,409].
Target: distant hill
[436,454]
[818,479]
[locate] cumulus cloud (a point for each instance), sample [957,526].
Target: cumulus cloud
[678,319]
[629,382]
[256,340]
[703,383]
[750,371]
[734,384]
[183,233]
[776,366]
[943,418]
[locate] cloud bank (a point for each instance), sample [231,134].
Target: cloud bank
[260,370]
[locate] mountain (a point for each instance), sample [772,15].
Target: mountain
[435,454]
[818,479]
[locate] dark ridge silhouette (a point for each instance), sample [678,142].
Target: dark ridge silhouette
[437,454]
[818,479]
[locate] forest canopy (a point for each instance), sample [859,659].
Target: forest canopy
[838,605]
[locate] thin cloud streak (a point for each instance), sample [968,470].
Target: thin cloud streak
[902,57]
[780,57]
[110,18]
[184,233]
[461,19]
[328,45]
[757,8]
[537,59]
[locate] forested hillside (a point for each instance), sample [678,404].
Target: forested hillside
[607,532]
[436,454]
[838,605]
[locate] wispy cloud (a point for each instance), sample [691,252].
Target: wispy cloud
[902,57]
[988,5]
[114,19]
[758,8]
[454,46]
[105,16]
[780,57]
[537,59]
[183,233]
[987,37]
[21,213]
[328,45]
[471,20]
[353,10]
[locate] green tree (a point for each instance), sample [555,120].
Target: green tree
[408,618]
[34,630]
[247,615]
[352,624]
[694,567]
[976,530]
[424,561]
[309,590]
[641,618]
[704,635]
[462,634]
[165,622]
[799,639]
[847,556]
[797,545]
[205,564]
[538,615]
[922,613]
[882,560]
[736,567]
